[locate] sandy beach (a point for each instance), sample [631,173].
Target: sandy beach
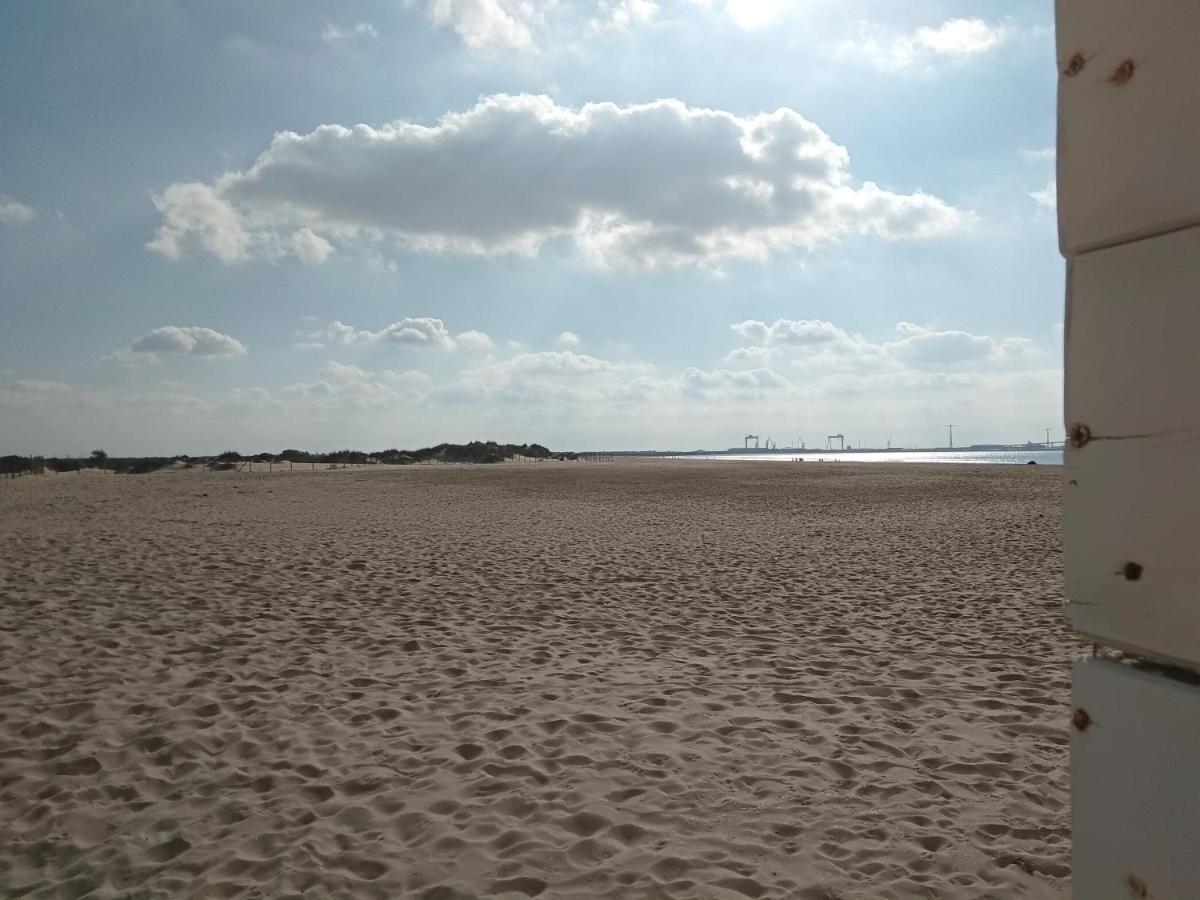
[640,679]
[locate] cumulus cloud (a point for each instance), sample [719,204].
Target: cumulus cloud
[568,340]
[788,332]
[925,346]
[811,375]
[421,331]
[195,216]
[953,39]
[189,339]
[474,340]
[177,340]
[417,331]
[637,186]
[331,33]
[489,24]
[13,212]
[310,248]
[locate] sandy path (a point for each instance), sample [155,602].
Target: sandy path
[708,680]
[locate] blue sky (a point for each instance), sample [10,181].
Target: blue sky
[636,223]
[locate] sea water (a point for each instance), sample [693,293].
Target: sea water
[977,457]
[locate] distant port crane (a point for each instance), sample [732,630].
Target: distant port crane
[840,438]
[749,438]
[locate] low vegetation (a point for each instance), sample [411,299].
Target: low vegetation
[474,452]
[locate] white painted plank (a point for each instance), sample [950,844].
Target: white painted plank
[1127,147]
[1133,336]
[1133,491]
[1127,504]
[1135,793]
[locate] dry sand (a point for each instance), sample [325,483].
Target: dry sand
[660,679]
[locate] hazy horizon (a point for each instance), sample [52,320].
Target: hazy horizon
[602,225]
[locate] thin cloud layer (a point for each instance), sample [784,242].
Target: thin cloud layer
[332,34]
[826,345]
[752,14]
[1047,197]
[954,39]
[13,212]
[657,184]
[622,15]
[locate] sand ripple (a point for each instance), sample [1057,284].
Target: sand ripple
[679,680]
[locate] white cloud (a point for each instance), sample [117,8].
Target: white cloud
[190,340]
[922,346]
[961,37]
[343,389]
[623,15]
[1041,154]
[751,14]
[568,340]
[794,376]
[550,377]
[13,212]
[635,186]
[794,333]
[489,24]
[567,380]
[1047,197]
[754,356]
[474,340]
[130,359]
[333,33]
[196,217]
[420,331]
[724,384]
[953,39]
[176,339]
[310,248]
[818,344]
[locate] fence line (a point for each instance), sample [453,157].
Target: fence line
[14,466]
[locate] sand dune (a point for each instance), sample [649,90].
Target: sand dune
[677,680]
